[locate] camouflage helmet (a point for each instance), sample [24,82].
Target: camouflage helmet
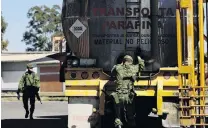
[128,57]
[29,66]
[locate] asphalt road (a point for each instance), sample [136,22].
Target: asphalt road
[46,115]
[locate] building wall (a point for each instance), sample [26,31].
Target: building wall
[49,78]
[48,75]
[11,73]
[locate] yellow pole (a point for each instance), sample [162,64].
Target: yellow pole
[190,42]
[190,49]
[179,45]
[201,40]
[179,48]
[190,34]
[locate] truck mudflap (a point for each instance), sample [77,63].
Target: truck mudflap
[171,118]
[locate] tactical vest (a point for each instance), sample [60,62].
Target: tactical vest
[28,81]
[124,74]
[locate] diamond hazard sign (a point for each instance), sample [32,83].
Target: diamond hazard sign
[77,28]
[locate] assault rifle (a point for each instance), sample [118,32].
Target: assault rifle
[38,97]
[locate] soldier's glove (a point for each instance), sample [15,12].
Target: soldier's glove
[37,90]
[140,59]
[18,94]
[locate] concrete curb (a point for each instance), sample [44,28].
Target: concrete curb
[43,98]
[42,94]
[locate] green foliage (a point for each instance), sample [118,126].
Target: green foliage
[44,23]
[3,25]
[4,43]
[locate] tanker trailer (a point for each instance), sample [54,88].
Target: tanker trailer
[98,34]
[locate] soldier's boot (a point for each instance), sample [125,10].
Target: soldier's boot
[118,122]
[26,110]
[31,115]
[26,114]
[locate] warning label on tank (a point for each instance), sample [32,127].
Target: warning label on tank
[77,28]
[131,27]
[129,39]
[131,12]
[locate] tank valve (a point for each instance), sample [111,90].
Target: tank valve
[94,110]
[154,110]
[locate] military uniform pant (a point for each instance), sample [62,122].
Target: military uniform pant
[125,111]
[129,110]
[26,97]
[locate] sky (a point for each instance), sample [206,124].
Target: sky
[15,14]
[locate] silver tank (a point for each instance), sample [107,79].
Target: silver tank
[110,33]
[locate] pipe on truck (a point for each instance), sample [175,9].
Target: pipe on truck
[154,30]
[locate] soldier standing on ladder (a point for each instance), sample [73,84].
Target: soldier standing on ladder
[124,96]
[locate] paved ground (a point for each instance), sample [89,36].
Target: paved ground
[47,115]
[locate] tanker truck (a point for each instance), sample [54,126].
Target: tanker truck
[99,33]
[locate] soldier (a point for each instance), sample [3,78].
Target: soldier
[126,73]
[29,85]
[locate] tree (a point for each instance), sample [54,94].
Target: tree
[4,43]
[44,23]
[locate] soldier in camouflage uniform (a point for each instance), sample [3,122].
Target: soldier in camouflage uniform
[126,73]
[29,85]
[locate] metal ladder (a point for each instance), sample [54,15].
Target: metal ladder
[192,104]
[192,96]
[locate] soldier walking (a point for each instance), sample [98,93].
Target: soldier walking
[29,85]
[124,95]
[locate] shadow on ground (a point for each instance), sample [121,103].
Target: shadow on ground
[38,122]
